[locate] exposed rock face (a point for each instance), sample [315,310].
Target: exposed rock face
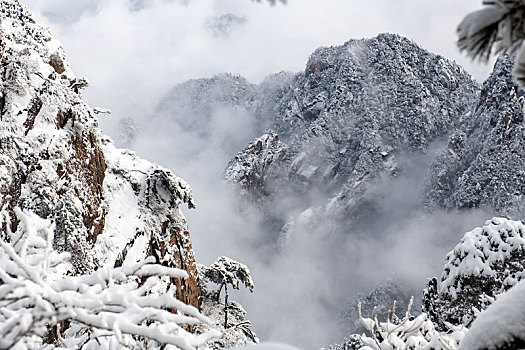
[348,118]
[483,165]
[109,206]
[249,168]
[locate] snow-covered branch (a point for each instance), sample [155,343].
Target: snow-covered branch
[415,333]
[226,271]
[118,303]
[497,27]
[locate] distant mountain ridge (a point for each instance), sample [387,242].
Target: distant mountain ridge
[330,143]
[346,120]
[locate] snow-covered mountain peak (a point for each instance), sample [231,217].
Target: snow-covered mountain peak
[339,80]
[349,119]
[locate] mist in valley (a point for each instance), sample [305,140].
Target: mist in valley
[303,280]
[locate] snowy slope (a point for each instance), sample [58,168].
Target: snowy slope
[110,207]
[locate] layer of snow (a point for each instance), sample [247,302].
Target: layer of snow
[500,324]
[482,250]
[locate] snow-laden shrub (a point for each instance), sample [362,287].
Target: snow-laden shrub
[488,261]
[408,333]
[379,301]
[109,308]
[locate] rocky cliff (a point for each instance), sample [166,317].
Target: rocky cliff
[109,206]
[482,165]
[348,120]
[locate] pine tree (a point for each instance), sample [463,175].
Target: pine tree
[497,28]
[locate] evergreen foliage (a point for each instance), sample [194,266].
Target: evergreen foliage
[498,27]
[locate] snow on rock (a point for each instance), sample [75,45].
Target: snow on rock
[487,261]
[237,333]
[346,119]
[501,325]
[105,202]
[250,166]
[484,161]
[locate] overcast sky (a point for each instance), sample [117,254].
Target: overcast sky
[133,51]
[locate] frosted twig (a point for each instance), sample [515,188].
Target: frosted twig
[394,310]
[108,300]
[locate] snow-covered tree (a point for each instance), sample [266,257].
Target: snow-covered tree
[230,317]
[223,272]
[486,262]
[128,306]
[498,27]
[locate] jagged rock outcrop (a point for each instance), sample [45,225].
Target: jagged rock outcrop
[483,165]
[488,261]
[248,168]
[349,117]
[109,206]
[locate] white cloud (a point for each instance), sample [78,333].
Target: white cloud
[133,57]
[134,51]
